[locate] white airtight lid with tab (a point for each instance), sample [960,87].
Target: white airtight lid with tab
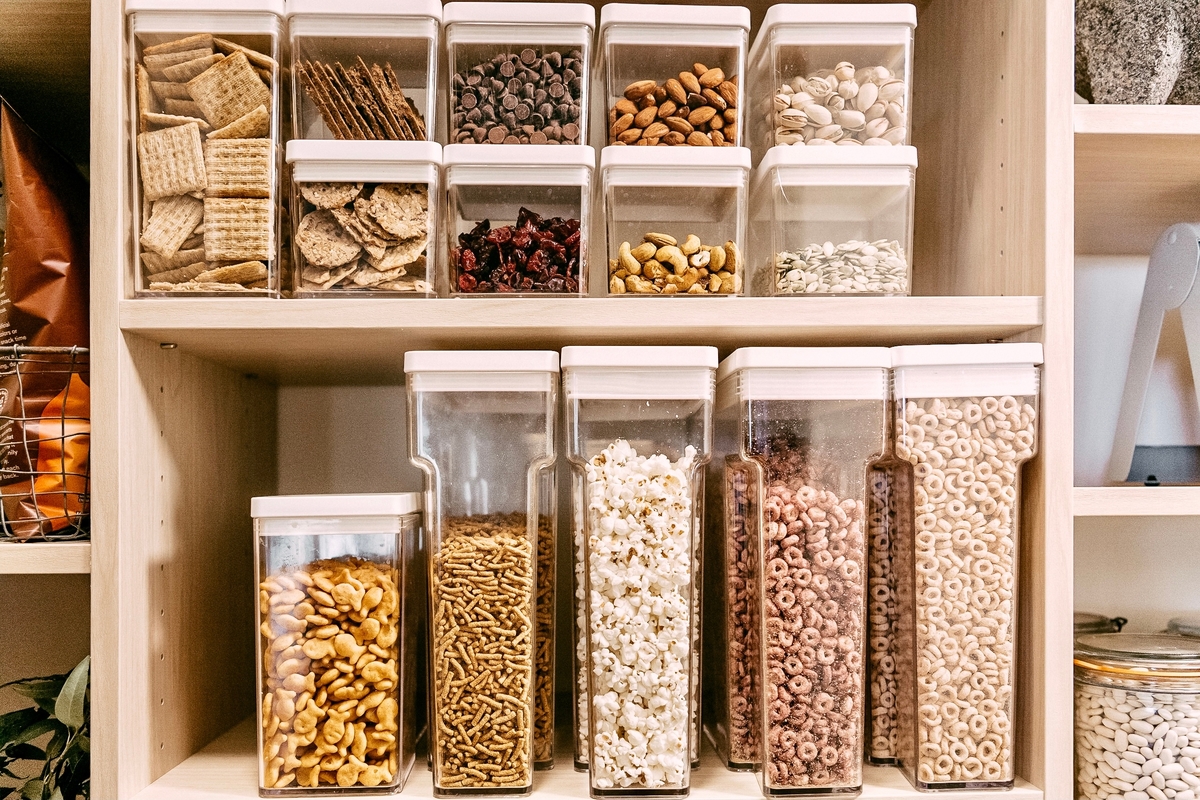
[643,23]
[838,166]
[650,373]
[675,166]
[310,514]
[529,164]
[804,373]
[220,17]
[966,370]
[870,24]
[481,370]
[525,23]
[366,8]
[365,18]
[329,160]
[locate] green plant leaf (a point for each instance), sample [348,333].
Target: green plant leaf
[57,741]
[26,751]
[13,723]
[32,790]
[57,794]
[69,708]
[42,691]
[39,728]
[85,743]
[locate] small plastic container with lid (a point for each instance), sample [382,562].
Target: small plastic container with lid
[1086,622]
[671,75]
[519,72]
[796,431]
[833,220]
[341,591]
[966,420]
[676,219]
[366,217]
[517,219]
[364,69]
[1188,625]
[639,432]
[832,73]
[482,428]
[204,112]
[1136,694]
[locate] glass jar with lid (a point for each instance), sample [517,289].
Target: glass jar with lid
[1137,716]
[1187,625]
[1087,622]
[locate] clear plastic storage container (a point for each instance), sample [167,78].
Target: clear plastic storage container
[1086,622]
[888,507]
[364,69]
[1137,716]
[671,75]
[966,419]
[676,220]
[833,220]
[517,218]
[796,432]
[341,610]
[832,73]
[366,217]
[639,432]
[204,122]
[481,427]
[518,72]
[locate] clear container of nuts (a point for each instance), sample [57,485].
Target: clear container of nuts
[341,606]
[966,420]
[482,428]
[639,432]
[517,219]
[671,75]
[519,72]
[832,74]
[796,430]
[676,220]
[1137,716]
[204,110]
[828,221]
[366,216]
[364,69]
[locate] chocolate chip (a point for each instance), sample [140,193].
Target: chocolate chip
[537,137]
[511,140]
[497,134]
[511,91]
[469,100]
[528,55]
[522,111]
[570,131]
[508,69]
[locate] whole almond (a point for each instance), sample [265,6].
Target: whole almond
[666,109]
[639,89]
[645,117]
[612,117]
[679,124]
[675,91]
[701,115]
[630,136]
[729,93]
[621,125]
[696,100]
[718,138]
[656,131]
[730,114]
[715,100]
[647,102]
[712,77]
[717,122]
[674,138]
[730,133]
[660,94]
[624,106]
[689,83]
[697,139]
[699,69]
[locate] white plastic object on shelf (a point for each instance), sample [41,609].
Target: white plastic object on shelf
[328,160]
[541,164]
[481,370]
[966,370]
[301,507]
[806,373]
[653,372]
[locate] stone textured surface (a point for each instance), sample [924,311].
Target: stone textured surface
[1132,51]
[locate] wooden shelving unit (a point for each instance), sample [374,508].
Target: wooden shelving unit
[45,558]
[1137,501]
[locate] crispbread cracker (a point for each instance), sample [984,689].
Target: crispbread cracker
[157,65]
[401,255]
[182,108]
[369,276]
[171,161]
[406,284]
[180,275]
[193,241]
[320,98]
[401,210]
[182,73]
[246,272]
[237,229]
[238,167]
[336,275]
[361,99]
[345,108]
[253,56]
[369,224]
[145,99]
[159,121]
[253,125]
[197,41]
[325,243]
[169,89]
[376,82]
[229,90]
[330,195]
[402,105]
[172,220]
[353,225]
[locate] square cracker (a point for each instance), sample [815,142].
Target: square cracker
[238,167]
[256,58]
[145,98]
[171,161]
[182,108]
[154,122]
[229,90]
[253,125]
[237,229]
[169,90]
[156,263]
[172,221]
[181,274]
[199,41]
[243,273]
[156,65]
[182,73]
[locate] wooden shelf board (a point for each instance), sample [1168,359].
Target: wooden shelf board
[344,341]
[45,558]
[1136,120]
[227,769]
[1137,501]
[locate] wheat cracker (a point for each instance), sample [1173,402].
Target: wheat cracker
[324,242]
[253,56]
[156,122]
[237,229]
[245,272]
[171,222]
[182,108]
[169,90]
[171,161]
[228,90]
[197,41]
[400,209]
[180,275]
[182,73]
[330,195]
[253,125]
[238,167]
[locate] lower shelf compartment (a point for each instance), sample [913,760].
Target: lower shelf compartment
[227,769]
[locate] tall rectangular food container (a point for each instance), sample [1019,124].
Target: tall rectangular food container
[519,72]
[797,430]
[482,428]
[364,69]
[833,220]
[341,607]
[671,75]
[965,420]
[517,219]
[832,74]
[676,219]
[366,217]
[203,127]
[639,432]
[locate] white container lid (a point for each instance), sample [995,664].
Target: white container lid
[967,355]
[839,14]
[640,14]
[783,155]
[804,373]
[201,7]
[804,358]
[966,370]
[520,14]
[639,373]
[357,151]
[675,166]
[623,357]
[335,505]
[480,361]
[526,155]
[366,8]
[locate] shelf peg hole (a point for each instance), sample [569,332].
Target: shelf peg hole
[167,345]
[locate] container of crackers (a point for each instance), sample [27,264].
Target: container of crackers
[364,69]
[204,89]
[517,219]
[365,216]
[518,72]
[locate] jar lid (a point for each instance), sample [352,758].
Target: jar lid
[335,505]
[1185,626]
[1086,622]
[1162,654]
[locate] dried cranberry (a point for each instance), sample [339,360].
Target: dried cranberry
[466,283]
[534,255]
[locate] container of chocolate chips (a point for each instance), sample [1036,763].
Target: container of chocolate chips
[517,219]
[519,72]
[365,217]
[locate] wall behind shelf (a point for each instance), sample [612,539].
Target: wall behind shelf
[48,618]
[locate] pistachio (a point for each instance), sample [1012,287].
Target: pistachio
[839,106]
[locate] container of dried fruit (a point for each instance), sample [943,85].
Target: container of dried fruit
[675,220]
[796,430]
[671,75]
[832,73]
[517,219]
[519,72]
[364,69]
[965,420]
[639,432]
[204,122]
[366,217]
[341,613]
[833,220]
[1087,622]
[482,429]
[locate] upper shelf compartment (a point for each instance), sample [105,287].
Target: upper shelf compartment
[1137,170]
